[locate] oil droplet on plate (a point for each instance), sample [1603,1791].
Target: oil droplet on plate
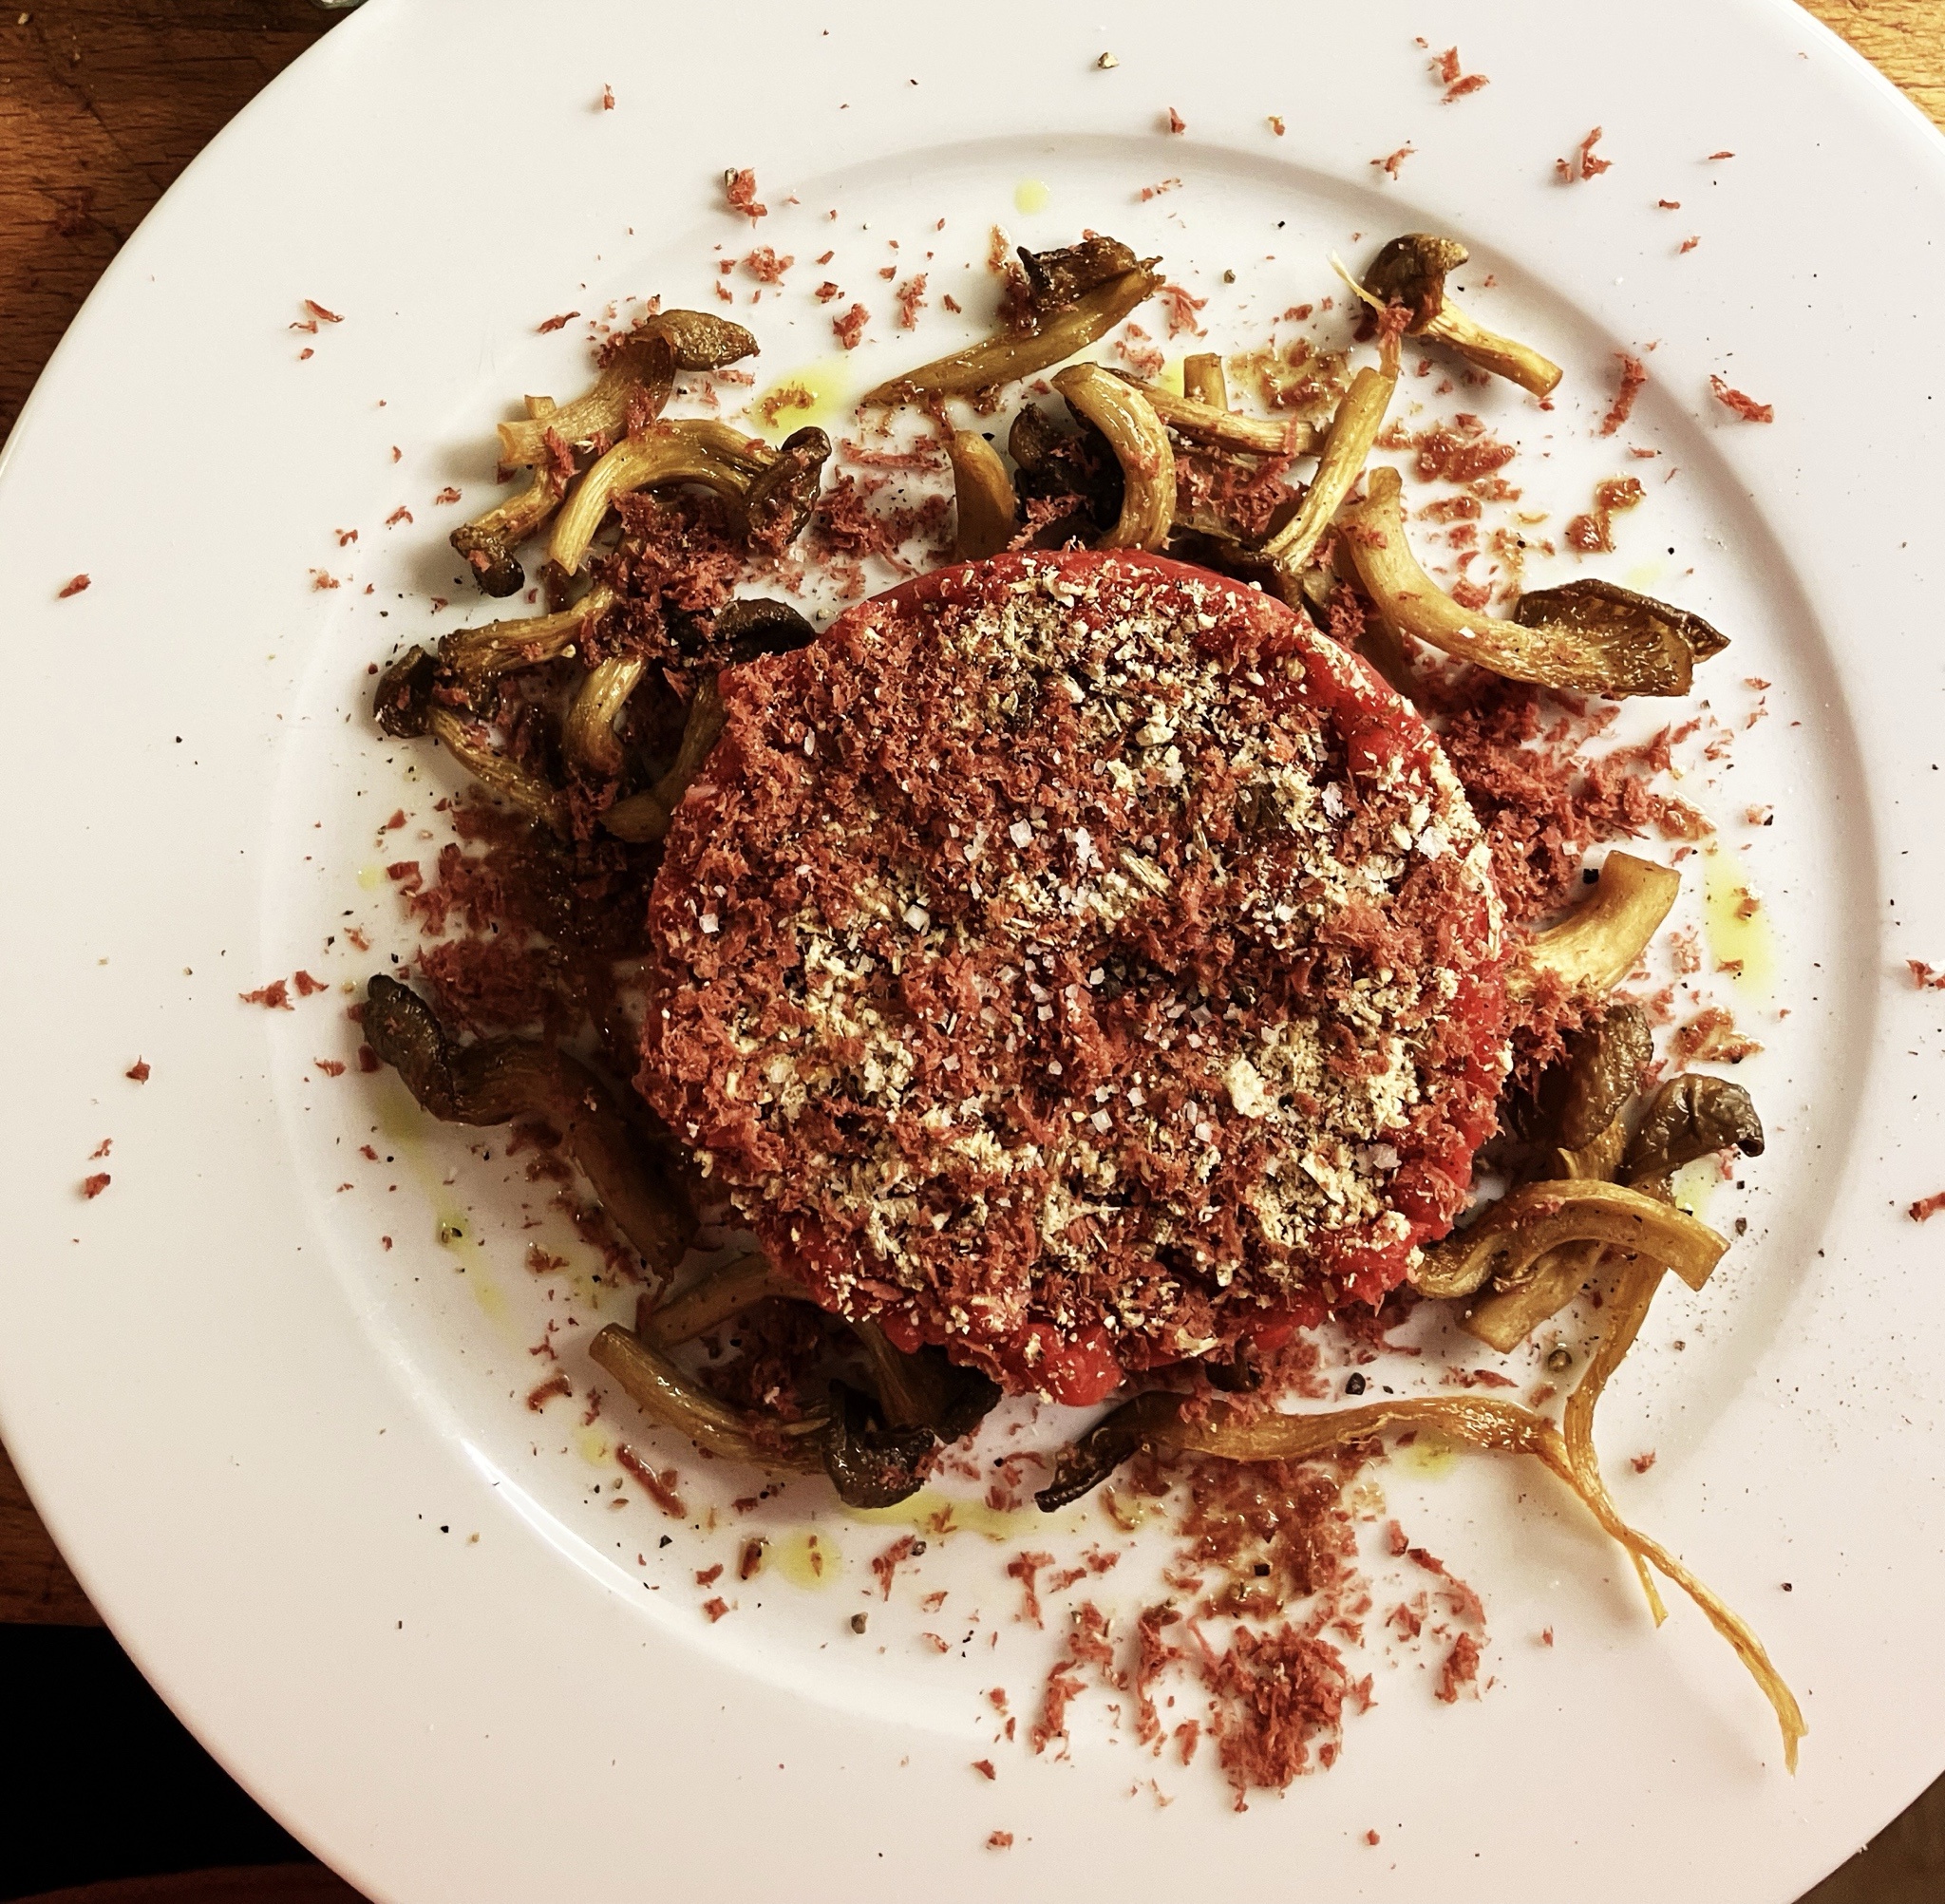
[372,878]
[1740,934]
[591,1447]
[806,1559]
[1031,195]
[813,393]
[934,1513]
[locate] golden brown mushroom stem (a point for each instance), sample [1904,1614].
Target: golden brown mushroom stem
[1125,415]
[715,1296]
[489,542]
[1596,945]
[1503,1427]
[1640,654]
[478,656]
[646,816]
[642,374]
[704,452]
[588,732]
[982,497]
[1217,424]
[469,746]
[1003,358]
[664,1394]
[1354,432]
[499,1079]
[1503,356]
[1525,1223]
[1412,270]
[1202,380]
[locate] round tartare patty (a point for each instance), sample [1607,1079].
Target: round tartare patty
[1078,961]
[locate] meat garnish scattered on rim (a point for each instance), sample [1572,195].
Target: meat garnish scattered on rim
[1076,961]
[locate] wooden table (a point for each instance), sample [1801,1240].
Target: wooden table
[104,101]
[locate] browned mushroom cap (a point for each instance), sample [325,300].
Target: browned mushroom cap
[782,497]
[1604,1066]
[1058,279]
[749,627]
[1607,611]
[1691,1117]
[499,1079]
[1412,270]
[871,1461]
[403,699]
[702,340]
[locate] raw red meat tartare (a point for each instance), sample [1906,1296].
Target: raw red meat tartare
[1077,961]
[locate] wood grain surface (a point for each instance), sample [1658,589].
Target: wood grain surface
[103,103]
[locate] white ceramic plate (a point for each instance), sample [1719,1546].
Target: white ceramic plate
[291,1466]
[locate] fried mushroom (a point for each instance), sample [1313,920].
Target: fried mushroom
[1412,270]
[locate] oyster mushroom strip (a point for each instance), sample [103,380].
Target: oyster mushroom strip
[1582,1131]
[1078,295]
[1585,638]
[925,1387]
[1348,445]
[713,1297]
[1690,1116]
[1412,270]
[1527,1222]
[671,341]
[1123,415]
[587,732]
[496,1080]
[646,815]
[470,744]
[1155,1420]
[664,1393]
[700,451]
[404,707]
[985,505]
[478,656]
[1202,380]
[1596,945]
[1217,423]
[487,543]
